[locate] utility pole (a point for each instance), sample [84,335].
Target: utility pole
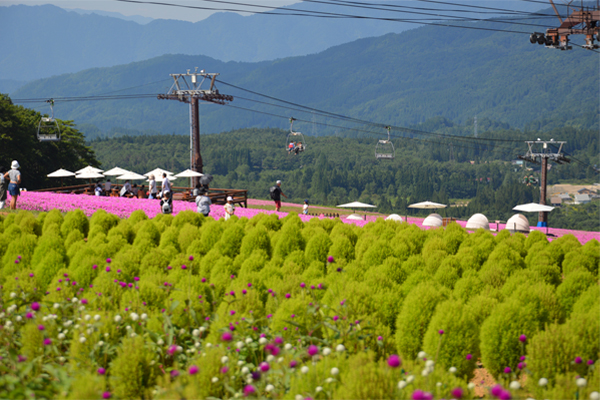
[187,88]
[475,125]
[540,152]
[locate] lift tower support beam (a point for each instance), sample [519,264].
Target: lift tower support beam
[187,88]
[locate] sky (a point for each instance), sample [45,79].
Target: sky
[147,10]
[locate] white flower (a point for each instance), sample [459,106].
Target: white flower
[133,334]
[452,370]
[56,305]
[208,345]
[304,369]
[97,317]
[543,382]
[8,323]
[425,372]
[402,384]
[249,340]
[594,396]
[269,388]
[287,346]
[410,378]
[280,360]
[101,343]
[202,329]
[196,333]
[117,318]
[18,318]
[179,349]
[87,317]
[422,355]
[318,389]
[245,371]
[299,397]
[249,380]
[134,316]
[75,300]
[13,295]
[2,315]
[144,316]
[581,382]
[106,334]
[240,363]
[215,379]
[68,323]
[439,384]
[160,342]
[82,339]
[76,326]
[44,318]
[128,327]
[515,385]
[471,386]
[89,331]
[197,344]
[181,331]
[81,308]
[270,358]
[239,344]
[328,380]
[224,360]
[334,371]
[61,336]
[326,351]
[61,359]
[262,340]
[340,348]
[429,363]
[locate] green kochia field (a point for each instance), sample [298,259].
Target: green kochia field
[189,307]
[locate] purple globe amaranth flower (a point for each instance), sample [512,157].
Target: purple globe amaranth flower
[84,301]
[191,258]
[35,306]
[457,393]
[108,260]
[590,362]
[174,373]
[101,371]
[578,360]
[335,317]
[41,327]
[278,340]
[106,395]
[224,370]
[469,356]
[522,358]
[441,331]
[29,315]
[232,312]
[313,350]
[521,365]
[287,295]
[184,266]
[193,370]
[507,370]
[244,291]
[421,395]
[264,367]
[522,338]
[248,390]
[394,361]
[496,390]
[21,358]
[107,269]
[172,349]
[47,342]
[505,395]
[203,280]
[303,285]
[226,337]
[380,338]
[330,259]
[293,364]
[94,266]
[249,284]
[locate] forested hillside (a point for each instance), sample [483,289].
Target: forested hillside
[335,170]
[397,79]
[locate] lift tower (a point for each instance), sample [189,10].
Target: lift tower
[581,21]
[539,152]
[187,88]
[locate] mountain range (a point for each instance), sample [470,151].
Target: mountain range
[397,79]
[42,41]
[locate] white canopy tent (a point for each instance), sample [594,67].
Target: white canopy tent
[116,171]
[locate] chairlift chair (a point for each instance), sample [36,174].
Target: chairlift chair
[48,130]
[385,148]
[295,141]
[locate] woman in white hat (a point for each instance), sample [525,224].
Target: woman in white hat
[229,208]
[14,177]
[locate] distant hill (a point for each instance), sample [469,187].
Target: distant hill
[399,79]
[135,18]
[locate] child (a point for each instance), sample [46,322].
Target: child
[229,208]
[305,208]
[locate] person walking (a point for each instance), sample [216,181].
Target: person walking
[3,188]
[203,202]
[152,183]
[166,186]
[14,178]
[229,208]
[276,194]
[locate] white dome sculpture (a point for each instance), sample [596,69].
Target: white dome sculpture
[394,217]
[518,223]
[433,220]
[478,221]
[355,217]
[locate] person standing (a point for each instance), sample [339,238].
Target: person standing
[152,183]
[166,186]
[14,178]
[276,194]
[203,202]
[229,208]
[107,187]
[305,207]
[3,188]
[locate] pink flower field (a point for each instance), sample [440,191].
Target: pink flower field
[123,207]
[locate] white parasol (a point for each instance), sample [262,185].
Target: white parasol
[60,173]
[158,173]
[116,171]
[533,207]
[427,205]
[188,173]
[131,176]
[89,169]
